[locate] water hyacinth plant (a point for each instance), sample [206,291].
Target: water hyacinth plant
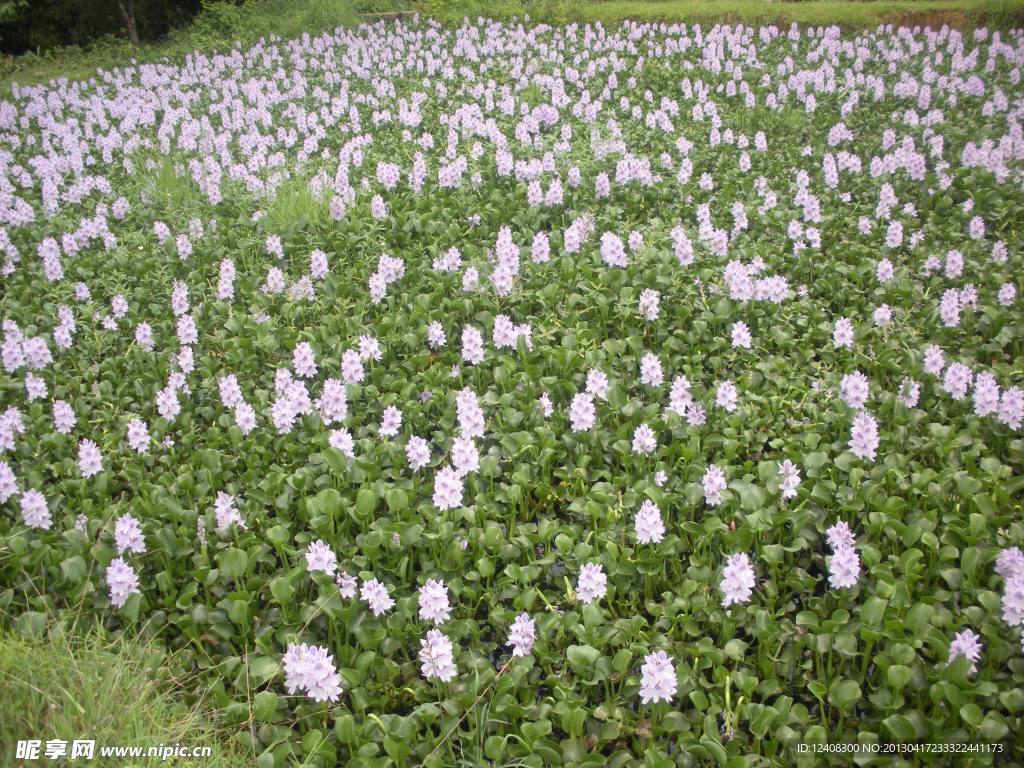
[530,394]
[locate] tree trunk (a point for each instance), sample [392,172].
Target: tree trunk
[127,9]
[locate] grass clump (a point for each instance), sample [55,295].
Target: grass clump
[61,686]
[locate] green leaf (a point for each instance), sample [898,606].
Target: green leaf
[699,700]
[582,655]
[366,503]
[282,590]
[397,749]
[807,619]
[751,496]
[814,461]
[232,562]
[735,649]
[900,728]
[898,676]
[31,624]
[971,714]
[238,611]
[130,610]
[714,746]
[494,748]
[397,500]
[327,502]
[917,617]
[73,568]
[763,721]
[261,669]
[279,535]
[336,460]
[993,727]
[674,722]
[264,706]
[872,610]
[985,505]
[844,694]
[535,730]
[345,729]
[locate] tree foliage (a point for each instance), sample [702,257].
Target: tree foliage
[43,24]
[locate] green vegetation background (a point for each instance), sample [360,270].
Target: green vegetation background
[45,39]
